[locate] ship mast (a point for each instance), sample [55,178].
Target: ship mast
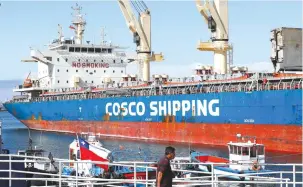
[103,36]
[79,23]
[60,33]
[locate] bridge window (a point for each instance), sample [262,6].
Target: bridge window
[66,60]
[86,71]
[245,151]
[232,149]
[121,71]
[66,81]
[58,59]
[84,50]
[92,81]
[71,49]
[113,71]
[260,150]
[253,151]
[104,71]
[97,50]
[67,70]
[94,60]
[86,60]
[121,61]
[94,71]
[85,81]
[49,58]
[58,81]
[114,61]
[57,70]
[63,47]
[76,71]
[109,50]
[77,49]
[91,50]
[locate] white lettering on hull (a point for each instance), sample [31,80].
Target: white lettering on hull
[162,108]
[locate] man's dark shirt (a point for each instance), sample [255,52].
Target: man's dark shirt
[164,167]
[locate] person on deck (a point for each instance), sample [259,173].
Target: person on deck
[164,173]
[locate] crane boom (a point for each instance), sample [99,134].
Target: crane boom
[215,15]
[133,24]
[141,30]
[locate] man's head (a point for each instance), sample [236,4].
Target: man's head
[170,152]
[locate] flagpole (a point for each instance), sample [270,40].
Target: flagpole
[78,145]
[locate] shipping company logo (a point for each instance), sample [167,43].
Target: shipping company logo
[162,108]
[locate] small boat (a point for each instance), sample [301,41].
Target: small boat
[245,157]
[94,148]
[35,159]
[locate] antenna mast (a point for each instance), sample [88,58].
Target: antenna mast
[103,35]
[79,23]
[60,33]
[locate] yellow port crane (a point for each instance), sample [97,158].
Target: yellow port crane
[215,14]
[141,30]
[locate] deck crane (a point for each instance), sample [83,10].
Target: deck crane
[141,30]
[215,15]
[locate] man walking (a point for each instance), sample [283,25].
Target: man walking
[165,175]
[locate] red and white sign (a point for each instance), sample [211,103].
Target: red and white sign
[89,65]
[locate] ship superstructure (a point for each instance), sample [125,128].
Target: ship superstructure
[84,88]
[69,64]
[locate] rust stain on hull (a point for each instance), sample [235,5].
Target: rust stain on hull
[290,136]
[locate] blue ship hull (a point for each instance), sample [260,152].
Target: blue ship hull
[278,111]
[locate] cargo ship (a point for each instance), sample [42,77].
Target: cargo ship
[83,87]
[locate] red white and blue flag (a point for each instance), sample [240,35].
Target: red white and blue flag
[93,153]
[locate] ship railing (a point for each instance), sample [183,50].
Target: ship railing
[274,173]
[193,88]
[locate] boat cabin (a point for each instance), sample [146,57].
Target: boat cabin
[32,152]
[245,155]
[36,158]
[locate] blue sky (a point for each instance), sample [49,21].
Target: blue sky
[176,28]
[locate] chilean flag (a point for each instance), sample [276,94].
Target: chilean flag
[93,153]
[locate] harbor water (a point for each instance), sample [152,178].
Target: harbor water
[16,137]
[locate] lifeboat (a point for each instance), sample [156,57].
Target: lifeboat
[27,83]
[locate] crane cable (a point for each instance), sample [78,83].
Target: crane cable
[144,5]
[140,6]
[138,11]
